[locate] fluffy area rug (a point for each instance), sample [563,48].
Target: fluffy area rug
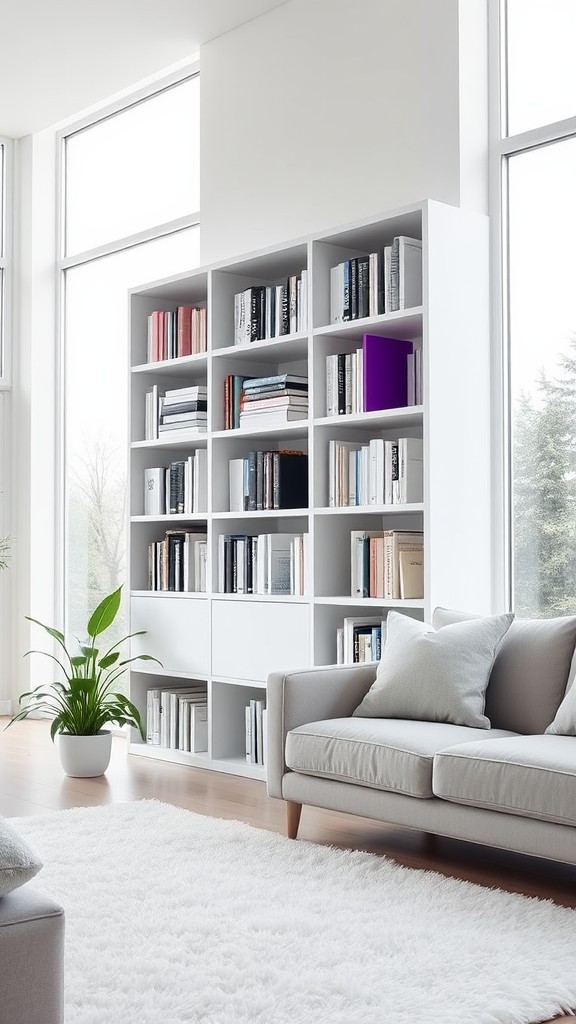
[176,918]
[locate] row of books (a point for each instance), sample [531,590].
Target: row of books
[178,718]
[376,472]
[264,401]
[178,562]
[256,731]
[268,563]
[178,489]
[385,373]
[360,640]
[379,282]
[176,333]
[387,564]
[177,409]
[268,480]
[271,311]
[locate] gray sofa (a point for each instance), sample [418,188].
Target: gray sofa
[31,958]
[511,786]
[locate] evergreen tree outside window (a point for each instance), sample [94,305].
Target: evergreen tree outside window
[537,170]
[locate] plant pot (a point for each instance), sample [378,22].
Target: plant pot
[85,757]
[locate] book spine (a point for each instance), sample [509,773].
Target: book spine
[341,383]
[354,289]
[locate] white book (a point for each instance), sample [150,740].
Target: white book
[198,727]
[278,562]
[390,472]
[200,484]
[154,491]
[332,385]
[236,484]
[387,278]
[303,302]
[411,375]
[410,272]
[336,294]
[340,645]
[151,413]
[248,727]
[376,474]
[410,470]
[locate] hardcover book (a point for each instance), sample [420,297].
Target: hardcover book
[385,372]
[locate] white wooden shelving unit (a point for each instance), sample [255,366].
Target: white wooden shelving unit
[232,642]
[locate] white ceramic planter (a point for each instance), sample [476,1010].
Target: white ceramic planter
[85,756]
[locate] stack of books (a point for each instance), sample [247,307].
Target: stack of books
[387,564]
[385,373]
[176,333]
[256,731]
[179,489]
[269,563]
[178,718]
[178,562]
[268,480]
[271,311]
[376,472]
[360,640]
[183,409]
[273,401]
[379,282]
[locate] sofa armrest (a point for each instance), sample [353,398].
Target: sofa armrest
[31,958]
[309,695]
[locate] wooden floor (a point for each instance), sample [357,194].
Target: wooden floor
[32,782]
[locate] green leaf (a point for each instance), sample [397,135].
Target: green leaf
[105,613]
[79,659]
[49,629]
[108,660]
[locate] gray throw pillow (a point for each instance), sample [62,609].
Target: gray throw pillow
[531,671]
[435,675]
[18,864]
[564,723]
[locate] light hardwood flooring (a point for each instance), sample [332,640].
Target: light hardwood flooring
[32,782]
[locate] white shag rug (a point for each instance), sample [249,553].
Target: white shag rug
[177,918]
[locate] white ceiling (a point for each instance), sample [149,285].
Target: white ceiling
[58,57]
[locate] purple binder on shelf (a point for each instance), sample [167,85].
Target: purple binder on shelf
[385,372]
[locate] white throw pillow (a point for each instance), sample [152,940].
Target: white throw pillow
[564,723]
[435,675]
[18,864]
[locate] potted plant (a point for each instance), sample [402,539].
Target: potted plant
[87,700]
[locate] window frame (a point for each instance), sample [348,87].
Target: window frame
[65,263]
[501,148]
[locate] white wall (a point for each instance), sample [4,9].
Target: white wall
[323,111]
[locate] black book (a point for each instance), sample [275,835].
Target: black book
[290,479]
[354,289]
[346,302]
[285,321]
[175,562]
[248,577]
[363,286]
[201,405]
[228,565]
[176,477]
[256,305]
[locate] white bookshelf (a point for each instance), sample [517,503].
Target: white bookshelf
[232,641]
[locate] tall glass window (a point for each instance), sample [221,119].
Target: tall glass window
[134,171]
[539,269]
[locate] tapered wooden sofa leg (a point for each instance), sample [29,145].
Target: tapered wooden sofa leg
[293,812]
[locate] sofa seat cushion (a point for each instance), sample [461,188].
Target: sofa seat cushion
[533,776]
[391,754]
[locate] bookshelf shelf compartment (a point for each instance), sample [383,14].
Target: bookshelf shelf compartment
[231,642]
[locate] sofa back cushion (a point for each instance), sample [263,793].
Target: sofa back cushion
[530,673]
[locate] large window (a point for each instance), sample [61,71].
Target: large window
[131,199]
[536,153]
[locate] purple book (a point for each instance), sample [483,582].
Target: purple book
[385,372]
